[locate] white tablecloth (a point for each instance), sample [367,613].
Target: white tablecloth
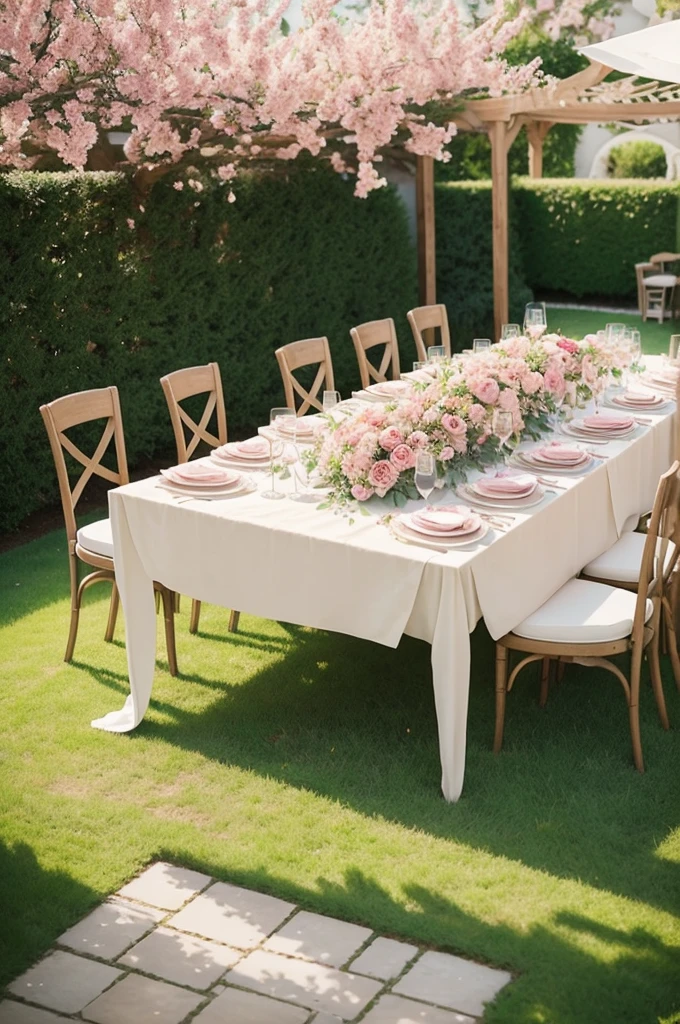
[289,561]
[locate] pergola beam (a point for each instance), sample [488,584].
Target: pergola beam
[426,231]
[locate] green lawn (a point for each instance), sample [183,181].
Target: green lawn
[577,322]
[305,764]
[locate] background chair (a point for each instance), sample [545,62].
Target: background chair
[590,623]
[428,318]
[177,387]
[656,289]
[93,544]
[370,335]
[295,356]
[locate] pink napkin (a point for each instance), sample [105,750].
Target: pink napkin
[390,387]
[255,447]
[446,519]
[608,422]
[558,452]
[639,397]
[199,473]
[506,484]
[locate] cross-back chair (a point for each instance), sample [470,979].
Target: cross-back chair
[177,387]
[589,622]
[297,355]
[428,318]
[93,543]
[368,336]
[656,290]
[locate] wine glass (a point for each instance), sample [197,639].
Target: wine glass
[674,347]
[614,332]
[534,320]
[510,331]
[436,353]
[502,428]
[481,344]
[276,416]
[298,467]
[426,474]
[330,400]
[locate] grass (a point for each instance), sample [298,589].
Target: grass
[305,764]
[575,323]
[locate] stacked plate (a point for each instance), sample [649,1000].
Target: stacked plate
[388,390]
[555,457]
[641,401]
[303,429]
[601,426]
[251,454]
[205,480]
[664,379]
[504,490]
[446,526]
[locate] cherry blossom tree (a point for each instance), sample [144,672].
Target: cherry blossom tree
[219,84]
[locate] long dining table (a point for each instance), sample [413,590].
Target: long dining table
[294,562]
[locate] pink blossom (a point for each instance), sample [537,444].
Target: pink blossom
[476,413]
[568,345]
[362,493]
[403,457]
[446,454]
[390,438]
[418,439]
[532,381]
[376,417]
[382,476]
[454,425]
[508,400]
[486,391]
[588,369]
[554,381]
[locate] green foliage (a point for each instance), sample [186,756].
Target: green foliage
[464,261]
[637,160]
[584,237]
[88,302]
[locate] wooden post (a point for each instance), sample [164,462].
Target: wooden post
[498,132]
[427,283]
[536,132]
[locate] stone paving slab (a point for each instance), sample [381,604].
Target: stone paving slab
[180,958]
[227,913]
[63,981]
[453,982]
[165,886]
[12,1012]
[394,1010]
[315,937]
[384,959]
[138,1000]
[308,984]
[236,1007]
[110,929]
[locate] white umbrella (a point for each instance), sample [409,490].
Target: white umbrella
[651,52]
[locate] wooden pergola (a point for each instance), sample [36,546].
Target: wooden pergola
[581,99]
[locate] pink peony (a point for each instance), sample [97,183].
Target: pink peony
[532,381]
[418,439]
[446,453]
[477,413]
[382,476]
[390,438]
[554,381]
[454,425]
[361,493]
[568,345]
[403,457]
[376,418]
[508,400]
[486,391]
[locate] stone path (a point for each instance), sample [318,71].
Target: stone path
[175,945]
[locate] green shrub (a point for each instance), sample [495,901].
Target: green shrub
[464,261]
[637,160]
[88,302]
[584,237]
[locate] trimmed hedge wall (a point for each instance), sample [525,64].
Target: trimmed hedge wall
[464,261]
[584,237]
[87,301]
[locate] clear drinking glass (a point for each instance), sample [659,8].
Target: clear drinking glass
[426,474]
[535,321]
[481,344]
[435,353]
[502,428]
[275,417]
[674,347]
[614,332]
[510,331]
[330,400]
[298,468]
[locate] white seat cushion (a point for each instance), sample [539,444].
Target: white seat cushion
[96,537]
[660,281]
[582,612]
[622,562]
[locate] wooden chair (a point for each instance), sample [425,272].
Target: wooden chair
[370,335]
[177,387]
[93,544]
[656,289]
[589,623]
[427,318]
[297,355]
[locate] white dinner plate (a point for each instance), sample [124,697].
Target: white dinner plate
[466,492]
[246,485]
[406,533]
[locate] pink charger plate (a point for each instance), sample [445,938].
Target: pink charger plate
[559,454]
[505,485]
[604,422]
[196,474]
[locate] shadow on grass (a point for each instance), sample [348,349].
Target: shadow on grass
[355,722]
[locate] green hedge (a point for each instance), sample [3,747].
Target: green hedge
[88,302]
[639,159]
[583,237]
[464,261]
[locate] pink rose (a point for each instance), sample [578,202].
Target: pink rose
[361,493]
[390,438]
[403,457]
[568,345]
[486,391]
[532,381]
[476,413]
[418,439]
[446,453]
[376,418]
[554,381]
[588,369]
[382,476]
[508,400]
[454,425]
